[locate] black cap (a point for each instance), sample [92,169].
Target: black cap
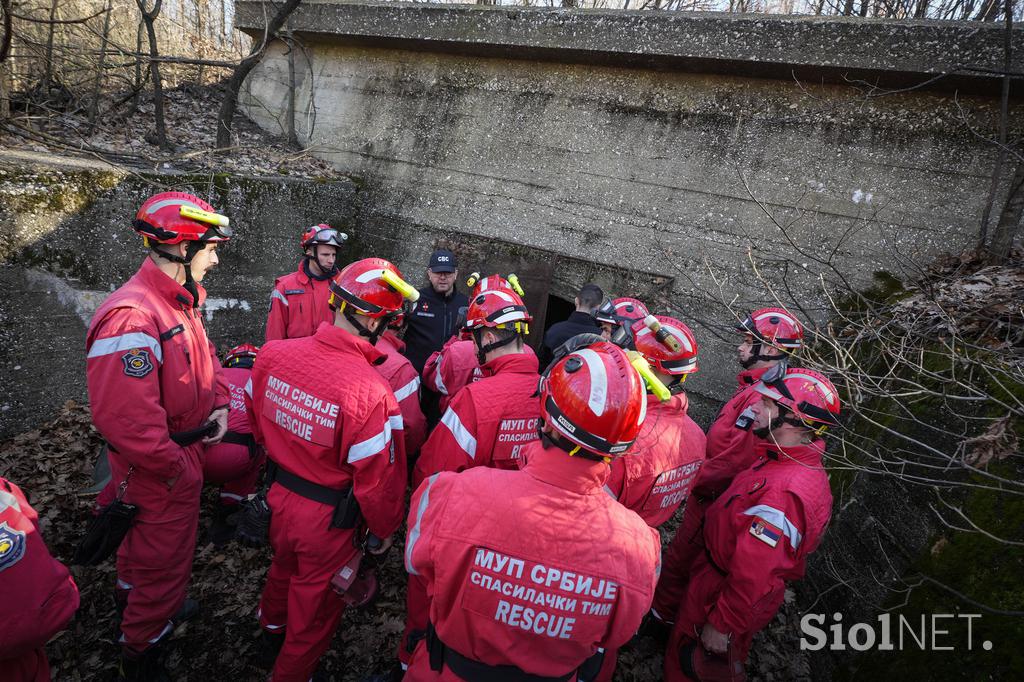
[443,260]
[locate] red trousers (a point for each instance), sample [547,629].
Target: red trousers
[677,561]
[29,667]
[297,596]
[701,594]
[154,562]
[417,613]
[230,466]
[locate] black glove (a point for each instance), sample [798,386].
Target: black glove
[254,522]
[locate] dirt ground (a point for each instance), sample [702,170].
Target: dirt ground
[54,461]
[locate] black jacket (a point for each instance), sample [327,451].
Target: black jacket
[431,324]
[560,332]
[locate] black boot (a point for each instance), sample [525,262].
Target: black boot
[394,675]
[142,666]
[268,647]
[222,529]
[189,610]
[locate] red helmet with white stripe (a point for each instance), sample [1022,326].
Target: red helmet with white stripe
[808,395]
[667,344]
[618,310]
[371,287]
[774,327]
[594,399]
[175,217]
[242,355]
[493,282]
[498,308]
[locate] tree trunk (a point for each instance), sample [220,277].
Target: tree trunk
[293,137]
[234,82]
[51,30]
[1004,111]
[1009,219]
[154,72]
[94,105]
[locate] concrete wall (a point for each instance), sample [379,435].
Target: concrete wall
[66,242]
[640,150]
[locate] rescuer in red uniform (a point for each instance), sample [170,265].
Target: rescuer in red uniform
[298,303]
[489,421]
[487,424]
[448,370]
[759,532]
[655,477]
[38,594]
[154,385]
[534,572]
[235,462]
[328,422]
[618,313]
[770,335]
[405,382]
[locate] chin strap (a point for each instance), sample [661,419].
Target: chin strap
[756,354]
[568,447]
[191,250]
[321,277]
[360,328]
[482,350]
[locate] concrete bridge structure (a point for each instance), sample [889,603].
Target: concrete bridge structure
[699,160]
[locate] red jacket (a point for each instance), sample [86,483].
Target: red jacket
[238,417]
[151,371]
[298,304]
[488,422]
[405,382]
[322,412]
[762,529]
[38,593]
[447,370]
[730,449]
[655,476]
[535,568]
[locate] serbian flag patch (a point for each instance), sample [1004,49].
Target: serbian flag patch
[765,532]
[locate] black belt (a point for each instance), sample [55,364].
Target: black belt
[185,438]
[473,671]
[236,438]
[308,489]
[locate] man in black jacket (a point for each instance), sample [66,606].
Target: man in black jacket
[437,311]
[580,322]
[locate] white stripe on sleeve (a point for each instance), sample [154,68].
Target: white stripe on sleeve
[778,519]
[414,534]
[125,342]
[407,390]
[371,446]
[463,437]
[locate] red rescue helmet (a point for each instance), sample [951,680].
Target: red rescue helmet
[667,344]
[322,234]
[806,394]
[775,327]
[617,310]
[594,398]
[510,283]
[498,309]
[372,287]
[174,217]
[241,355]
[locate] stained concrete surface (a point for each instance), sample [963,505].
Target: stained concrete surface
[703,191]
[66,242]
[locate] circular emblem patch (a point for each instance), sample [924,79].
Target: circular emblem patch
[137,363]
